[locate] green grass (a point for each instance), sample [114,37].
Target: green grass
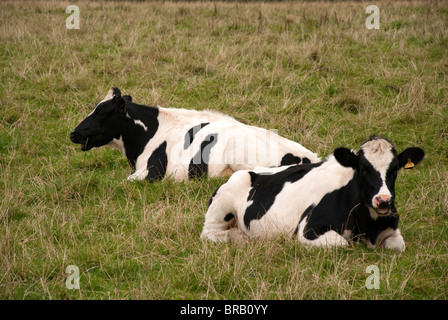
[311,70]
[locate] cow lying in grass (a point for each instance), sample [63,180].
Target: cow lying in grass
[348,196]
[181,143]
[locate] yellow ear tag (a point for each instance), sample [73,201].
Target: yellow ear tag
[409,165]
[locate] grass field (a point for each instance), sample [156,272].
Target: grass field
[311,70]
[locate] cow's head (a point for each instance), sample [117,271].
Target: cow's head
[377,164]
[104,123]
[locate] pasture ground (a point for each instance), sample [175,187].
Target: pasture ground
[313,71]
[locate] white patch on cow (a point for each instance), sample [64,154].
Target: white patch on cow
[379,153]
[109,96]
[372,212]
[140,123]
[138,175]
[347,234]
[118,144]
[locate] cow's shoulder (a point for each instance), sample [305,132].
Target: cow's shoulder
[333,211]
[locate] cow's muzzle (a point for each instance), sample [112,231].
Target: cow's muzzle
[74,137]
[383,205]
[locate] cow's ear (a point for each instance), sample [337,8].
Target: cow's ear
[410,157]
[115,92]
[127,97]
[120,105]
[346,157]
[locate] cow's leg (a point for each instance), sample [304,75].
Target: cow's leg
[331,239]
[391,239]
[328,239]
[395,242]
[138,175]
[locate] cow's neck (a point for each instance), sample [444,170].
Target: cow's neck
[349,202]
[141,124]
[362,222]
[353,208]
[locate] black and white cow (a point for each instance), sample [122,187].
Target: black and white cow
[349,196]
[180,143]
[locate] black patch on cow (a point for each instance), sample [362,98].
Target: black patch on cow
[157,163]
[229,217]
[289,159]
[135,138]
[296,230]
[332,211]
[199,163]
[307,212]
[189,136]
[304,215]
[253,177]
[266,187]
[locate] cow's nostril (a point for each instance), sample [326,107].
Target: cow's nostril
[384,205]
[382,199]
